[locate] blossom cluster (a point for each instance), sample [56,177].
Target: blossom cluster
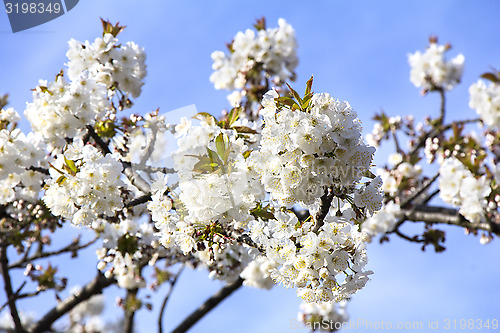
[120,66]
[324,316]
[216,192]
[324,266]
[459,187]
[430,70]
[62,109]
[256,56]
[84,185]
[382,221]
[20,155]
[302,153]
[485,99]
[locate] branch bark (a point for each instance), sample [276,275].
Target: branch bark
[209,304]
[130,311]
[94,287]
[73,247]
[442,215]
[164,304]
[4,261]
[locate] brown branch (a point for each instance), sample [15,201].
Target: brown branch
[326,202]
[137,201]
[73,247]
[98,140]
[94,287]
[165,301]
[39,169]
[130,309]
[421,190]
[442,109]
[449,216]
[4,261]
[209,304]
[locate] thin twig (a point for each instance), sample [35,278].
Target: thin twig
[165,301]
[208,305]
[73,247]
[421,190]
[4,261]
[442,109]
[413,239]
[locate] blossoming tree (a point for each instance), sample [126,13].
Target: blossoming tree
[280,189]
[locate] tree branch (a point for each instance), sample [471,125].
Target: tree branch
[94,287]
[130,309]
[326,202]
[73,247]
[4,261]
[137,201]
[442,215]
[209,304]
[164,304]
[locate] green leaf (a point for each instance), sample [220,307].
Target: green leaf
[491,76]
[262,212]
[206,115]
[222,148]
[71,165]
[309,84]
[109,28]
[233,116]
[295,94]
[4,100]
[244,129]
[306,100]
[61,179]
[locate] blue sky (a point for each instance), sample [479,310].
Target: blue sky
[357,51]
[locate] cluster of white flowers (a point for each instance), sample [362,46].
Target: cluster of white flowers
[485,99]
[226,261]
[459,187]
[382,221]
[392,179]
[62,109]
[84,185]
[324,316]
[324,266]
[225,194]
[302,153]
[124,249]
[257,273]
[430,70]
[18,153]
[272,51]
[109,62]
